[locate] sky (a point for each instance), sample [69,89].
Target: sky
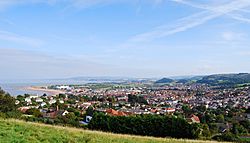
[41,39]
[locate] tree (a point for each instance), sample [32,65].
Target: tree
[136,99]
[26,95]
[246,124]
[7,103]
[238,129]
[20,98]
[213,128]
[186,109]
[86,98]
[146,125]
[8,106]
[90,111]
[228,136]
[72,119]
[94,98]
[62,95]
[235,129]
[71,109]
[220,118]
[248,110]
[205,131]
[35,112]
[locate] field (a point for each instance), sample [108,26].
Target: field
[16,131]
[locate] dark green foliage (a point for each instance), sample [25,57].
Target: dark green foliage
[220,118]
[227,137]
[94,98]
[213,128]
[7,106]
[7,103]
[35,112]
[136,99]
[205,131]
[248,110]
[90,111]
[245,124]
[69,119]
[238,129]
[186,109]
[62,96]
[71,109]
[147,125]
[86,98]
[20,98]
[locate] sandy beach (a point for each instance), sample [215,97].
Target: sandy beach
[42,89]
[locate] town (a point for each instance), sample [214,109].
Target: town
[222,109]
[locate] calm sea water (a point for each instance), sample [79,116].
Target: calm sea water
[18,87]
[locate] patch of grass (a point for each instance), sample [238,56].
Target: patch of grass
[245,139]
[16,131]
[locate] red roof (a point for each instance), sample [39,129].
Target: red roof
[153,110]
[170,109]
[115,113]
[23,109]
[195,118]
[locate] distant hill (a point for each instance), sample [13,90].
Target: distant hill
[180,79]
[226,79]
[213,80]
[165,80]
[21,131]
[196,78]
[183,81]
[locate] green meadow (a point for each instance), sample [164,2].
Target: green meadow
[16,131]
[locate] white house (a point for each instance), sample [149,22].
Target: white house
[43,104]
[61,101]
[33,96]
[39,100]
[27,99]
[63,87]
[52,101]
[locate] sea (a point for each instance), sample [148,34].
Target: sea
[17,87]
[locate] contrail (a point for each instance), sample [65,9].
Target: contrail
[205,7]
[193,20]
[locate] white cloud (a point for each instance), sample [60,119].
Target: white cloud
[12,37]
[31,64]
[72,3]
[232,36]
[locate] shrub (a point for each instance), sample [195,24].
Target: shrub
[227,137]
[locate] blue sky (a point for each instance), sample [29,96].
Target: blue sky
[132,38]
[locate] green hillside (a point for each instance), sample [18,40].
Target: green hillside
[226,79]
[22,132]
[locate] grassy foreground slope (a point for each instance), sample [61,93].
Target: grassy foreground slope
[22,132]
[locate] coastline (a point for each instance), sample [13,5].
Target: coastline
[42,89]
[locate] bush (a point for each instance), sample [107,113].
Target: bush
[35,112]
[227,137]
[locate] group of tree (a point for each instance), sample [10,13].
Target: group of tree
[137,99]
[8,108]
[146,125]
